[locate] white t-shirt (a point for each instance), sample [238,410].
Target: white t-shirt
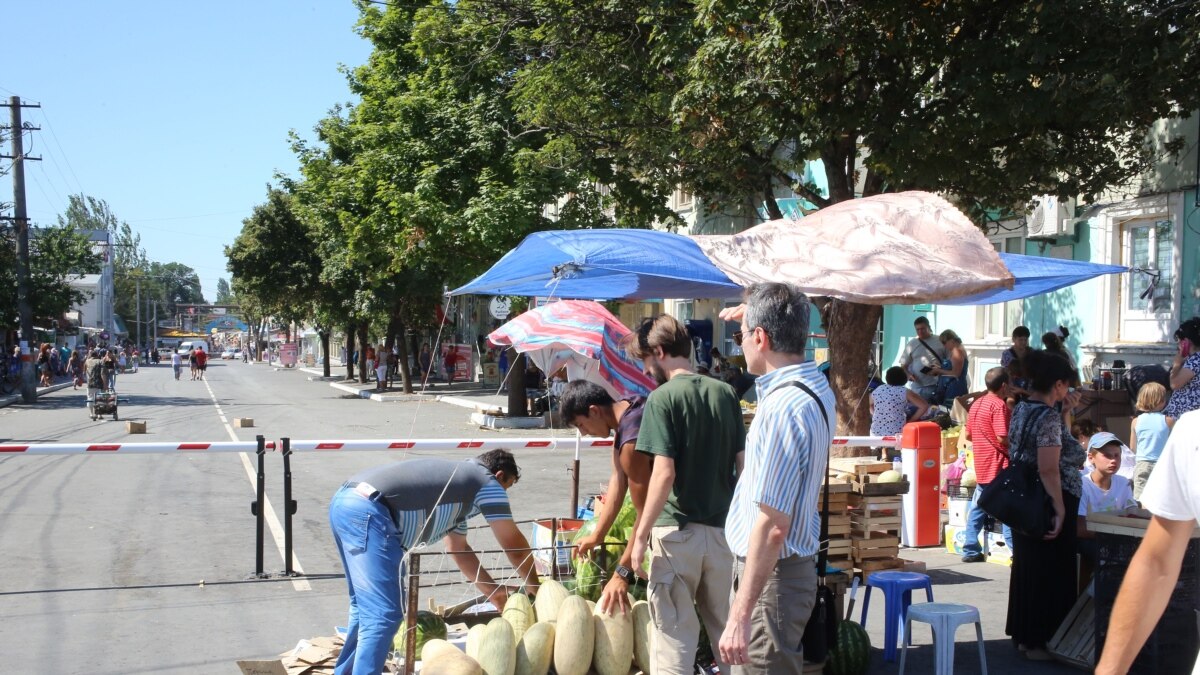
[1095,499]
[1173,491]
[176,359]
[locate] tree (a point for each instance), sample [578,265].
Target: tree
[992,103]
[224,292]
[57,255]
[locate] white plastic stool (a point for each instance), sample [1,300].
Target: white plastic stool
[944,618]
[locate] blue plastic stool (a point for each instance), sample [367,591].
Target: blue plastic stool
[944,618]
[897,590]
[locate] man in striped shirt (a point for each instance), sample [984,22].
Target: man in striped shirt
[382,513]
[774,525]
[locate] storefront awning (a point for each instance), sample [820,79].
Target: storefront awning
[1036,275]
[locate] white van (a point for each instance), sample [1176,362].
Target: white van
[186,348]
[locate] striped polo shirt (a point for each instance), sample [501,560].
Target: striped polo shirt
[431,498]
[787,451]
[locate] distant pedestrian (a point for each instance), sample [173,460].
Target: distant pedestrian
[425,362]
[201,363]
[110,369]
[192,363]
[75,368]
[448,362]
[381,367]
[176,363]
[94,370]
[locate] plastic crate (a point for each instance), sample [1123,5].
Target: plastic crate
[955,490]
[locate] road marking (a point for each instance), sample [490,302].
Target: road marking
[299,583]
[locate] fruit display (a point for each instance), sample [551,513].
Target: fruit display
[852,653]
[428,627]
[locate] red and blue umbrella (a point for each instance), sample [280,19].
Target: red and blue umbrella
[582,336]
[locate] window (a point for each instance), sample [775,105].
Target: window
[1151,247]
[999,320]
[683,199]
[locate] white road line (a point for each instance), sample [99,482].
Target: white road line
[299,583]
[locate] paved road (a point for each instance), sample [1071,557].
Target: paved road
[105,555]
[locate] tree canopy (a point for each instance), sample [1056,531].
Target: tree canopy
[57,255]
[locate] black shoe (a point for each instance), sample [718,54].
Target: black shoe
[974,557]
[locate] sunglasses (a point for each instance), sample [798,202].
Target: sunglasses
[739,336]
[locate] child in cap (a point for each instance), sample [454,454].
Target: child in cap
[1128,458]
[1104,490]
[1150,431]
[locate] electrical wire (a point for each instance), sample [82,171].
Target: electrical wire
[61,152]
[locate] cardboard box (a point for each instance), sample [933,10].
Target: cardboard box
[997,549]
[243,422]
[542,542]
[956,511]
[950,448]
[135,427]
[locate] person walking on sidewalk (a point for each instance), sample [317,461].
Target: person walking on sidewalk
[774,525]
[692,425]
[383,512]
[987,429]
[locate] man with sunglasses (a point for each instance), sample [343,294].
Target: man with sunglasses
[774,525]
[692,426]
[383,512]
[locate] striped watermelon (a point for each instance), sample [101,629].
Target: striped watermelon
[852,653]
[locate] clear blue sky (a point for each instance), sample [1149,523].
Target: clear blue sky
[175,113]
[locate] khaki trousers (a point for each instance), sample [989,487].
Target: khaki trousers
[782,611]
[691,570]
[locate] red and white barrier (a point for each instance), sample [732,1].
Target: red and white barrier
[129,448]
[866,441]
[442,444]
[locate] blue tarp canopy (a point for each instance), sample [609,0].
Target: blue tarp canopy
[1035,275]
[616,264]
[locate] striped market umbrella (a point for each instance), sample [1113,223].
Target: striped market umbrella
[583,337]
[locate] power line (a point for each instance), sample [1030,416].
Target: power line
[61,153]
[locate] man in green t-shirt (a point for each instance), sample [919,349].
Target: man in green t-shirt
[692,426]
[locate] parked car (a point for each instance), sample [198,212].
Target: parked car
[230,353]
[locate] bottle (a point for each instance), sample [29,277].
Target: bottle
[897,466]
[1108,380]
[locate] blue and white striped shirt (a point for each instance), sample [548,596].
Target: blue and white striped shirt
[787,451]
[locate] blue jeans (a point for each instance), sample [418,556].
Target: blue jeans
[372,556]
[975,522]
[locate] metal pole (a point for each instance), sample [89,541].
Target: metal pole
[289,507]
[410,619]
[554,549]
[258,507]
[575,479]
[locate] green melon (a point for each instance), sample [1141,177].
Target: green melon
[852,653]
[429,626]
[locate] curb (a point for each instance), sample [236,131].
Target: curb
[9,400]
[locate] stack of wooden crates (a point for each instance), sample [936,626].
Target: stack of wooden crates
[868,513]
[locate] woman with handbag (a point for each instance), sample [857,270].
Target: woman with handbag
[1042,585]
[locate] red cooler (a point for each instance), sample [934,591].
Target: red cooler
[920,453]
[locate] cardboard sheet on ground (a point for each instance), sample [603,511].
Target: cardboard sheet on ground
[898,248]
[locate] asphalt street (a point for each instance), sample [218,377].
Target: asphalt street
[142,563]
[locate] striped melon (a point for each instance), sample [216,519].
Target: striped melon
[436,647]
[852,653]
[574,637]
[474,639]
[498,649]
[451,663]
[518,612]
[549,596]
[613,652]
[643,633]
[535,651]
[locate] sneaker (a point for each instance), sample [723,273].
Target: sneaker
[974,558]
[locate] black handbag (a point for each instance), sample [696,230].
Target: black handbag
[1018,499]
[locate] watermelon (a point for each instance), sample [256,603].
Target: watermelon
[429,626]
[852,653]
[889,476]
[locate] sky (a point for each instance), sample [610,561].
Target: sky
[175,113]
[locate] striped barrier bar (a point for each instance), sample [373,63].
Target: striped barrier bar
[443,444]
[130,448]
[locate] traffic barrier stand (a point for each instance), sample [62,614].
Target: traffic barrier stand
[259,447]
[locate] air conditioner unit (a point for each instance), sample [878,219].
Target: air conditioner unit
[1051,218]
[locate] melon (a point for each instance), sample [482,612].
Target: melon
[474,639]
[889,476]
[613,652]
[435,648]
[535,651]
[451,663]
[428,626]
[549,596]
[852,653]
[574,637]
[498,649]
[518,612]
[643,633]
[968,479]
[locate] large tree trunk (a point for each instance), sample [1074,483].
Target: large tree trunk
[363,330]
[324,335]
[402,358]
[851,328]
[518,405]
[350,352]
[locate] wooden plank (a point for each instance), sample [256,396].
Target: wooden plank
[868,566]
[876,501]
[881,489]
[875,553]
[875,523]
[1074,641]
[876,540]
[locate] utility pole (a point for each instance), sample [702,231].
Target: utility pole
[137,302]
[21,226]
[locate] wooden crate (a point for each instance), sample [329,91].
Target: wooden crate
[868,566]
[876,547]
[1075,640]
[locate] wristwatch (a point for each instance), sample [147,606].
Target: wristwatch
[627,574]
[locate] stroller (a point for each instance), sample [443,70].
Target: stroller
[104,404]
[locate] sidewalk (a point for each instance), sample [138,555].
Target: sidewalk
[463,394]
[41,391]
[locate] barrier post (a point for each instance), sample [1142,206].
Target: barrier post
[575,478]
[410,635]
[257,506]
[289,508]
[920,454]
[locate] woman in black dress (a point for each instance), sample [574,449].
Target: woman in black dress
[1042,585]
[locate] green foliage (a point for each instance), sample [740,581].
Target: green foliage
[224,292]
[56,254]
